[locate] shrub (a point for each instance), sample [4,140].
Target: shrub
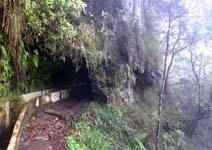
[106,128]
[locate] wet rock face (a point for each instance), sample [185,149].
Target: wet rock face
[124,27]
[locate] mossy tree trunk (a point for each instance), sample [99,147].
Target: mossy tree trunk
[12,36]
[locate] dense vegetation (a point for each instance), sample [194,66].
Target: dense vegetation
[102,127]
[34,35]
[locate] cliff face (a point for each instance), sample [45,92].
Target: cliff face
[127,44]
[116,38]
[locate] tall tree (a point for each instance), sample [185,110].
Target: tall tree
[175,38]
[199,65]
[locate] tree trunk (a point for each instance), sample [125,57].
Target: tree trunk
[161,96]
[189,130]
[167,73]
[11,34]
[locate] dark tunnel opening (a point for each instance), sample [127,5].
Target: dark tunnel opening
[67,75]
[79,80]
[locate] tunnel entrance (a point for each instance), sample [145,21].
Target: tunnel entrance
[77,78]
[60,74]
[67,73]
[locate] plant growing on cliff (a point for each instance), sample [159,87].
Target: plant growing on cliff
[6,71]
[53,21]
[11,31]
[61,33]
[32,27]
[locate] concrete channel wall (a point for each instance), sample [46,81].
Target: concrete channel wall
[15,113]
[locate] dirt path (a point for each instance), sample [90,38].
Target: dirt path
[47,128]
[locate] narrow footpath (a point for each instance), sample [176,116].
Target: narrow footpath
[47,128]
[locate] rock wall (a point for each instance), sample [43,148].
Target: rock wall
[128,39]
